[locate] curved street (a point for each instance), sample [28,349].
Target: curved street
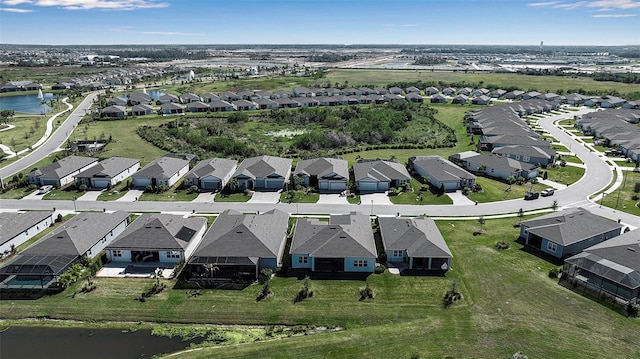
[598,176]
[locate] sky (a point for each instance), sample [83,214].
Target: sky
[481,22]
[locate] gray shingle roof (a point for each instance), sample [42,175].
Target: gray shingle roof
[570,226]
[13,224]
[344,236]
[322,166]
[215,167]
[500,163]
[109,167]
[163,167]
[263,166]
[64,167]
[77,235]
[420,237]
[380,170]
[531,151]
[159,232]
[441,169]
[234,234]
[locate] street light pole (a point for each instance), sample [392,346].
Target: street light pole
[372,207]
[602,199]
[74,205]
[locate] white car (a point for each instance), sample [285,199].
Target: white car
[45,189]
[547,192]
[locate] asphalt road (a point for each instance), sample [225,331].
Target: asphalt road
[598,175]
[57,139]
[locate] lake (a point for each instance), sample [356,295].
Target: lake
[69,343]
[30,104]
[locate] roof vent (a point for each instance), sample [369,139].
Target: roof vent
[631,249]
[333,227]
[239,232]
[343,237]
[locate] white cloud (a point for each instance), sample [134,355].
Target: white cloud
[16,10]
[615,15]
[92,4]
[599,5]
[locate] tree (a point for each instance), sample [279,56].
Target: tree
[554,205]
[481,221]
[510,181]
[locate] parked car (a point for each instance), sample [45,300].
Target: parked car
[45,189]
[531,195]
[547,192]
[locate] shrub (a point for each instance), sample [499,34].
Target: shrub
[265,292]
[305,292]
[554,273]
[502,245]
[366,293]
[82,187]
[452,295]
[634,197]
[265,275]
[192,189]
[380,268]
[59,218]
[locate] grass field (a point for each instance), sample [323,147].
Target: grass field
[621,198]
[497,316]
[565,175]
[233,197]
[420,195]
[299,197]
[27,131]
[494,190]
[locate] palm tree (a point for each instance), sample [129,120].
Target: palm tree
[510,180]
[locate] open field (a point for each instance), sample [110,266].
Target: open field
[622,198]
[494,190]
[497,316]
[566,175]
[420,195]
[524,82]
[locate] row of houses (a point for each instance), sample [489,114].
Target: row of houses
[112,77]
[617,127]
[238,245]
[15,86]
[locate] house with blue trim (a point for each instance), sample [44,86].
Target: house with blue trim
[344,244]
[565,233]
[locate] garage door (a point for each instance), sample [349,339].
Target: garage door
[323,185]
[368,186]
[101,183]
[383,186]
[141,182]
[212,184]
[274,184]
[337,186]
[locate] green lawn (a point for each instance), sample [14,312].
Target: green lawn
[355,199]
[173,194]
[509,304]
[566,174]
[232,197]
[494,190]
[64,194]
[560,148]
[567,123]
[420,195]
[299,197]
[621,198]
[16,193]
[27,131]
[116,192]
[572,159]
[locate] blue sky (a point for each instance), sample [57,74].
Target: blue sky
[508,22]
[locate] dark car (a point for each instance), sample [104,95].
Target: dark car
[547,192]
[531,195]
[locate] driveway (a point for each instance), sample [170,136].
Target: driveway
[375,198]
[333,198]
[459,199]
[90,196]
[131,196]
[34,195]
[265,197]
[205,197]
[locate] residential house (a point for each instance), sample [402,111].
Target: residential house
[417,242]
[325,174]
[308,102]
[162,171]
[189,97]
[612,102]
[395,90]
[460,100]
[209,97]
[480,92]
[568,232]
[212,174]
[162,239]
[611,267]
[498,93]
[539,156]
[263,173]
[531,95]
[166,98]
[344,244]
[263,94]
[197,106]
[412,89]
[117,101]
[633,105]
[302,92]
[441,173]
[266,104]
[574,99]
[61,172]
[240,246]
[247,95]
[17,228]
[41,264]
[448,91]
[141,110]
[438,98]
[514,95]
[171,108]
[466,91]
[499,167]
[113,112]
[139,98]
[221,106]
[380,91]
[108,172]
[279,94]
[379,176]
[414,97]
[431,90]
[287,102]
[244,105]
[481,100]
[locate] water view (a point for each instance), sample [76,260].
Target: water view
[30,104]
[68,343]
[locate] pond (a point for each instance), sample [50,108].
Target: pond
[56,342]
[30,104]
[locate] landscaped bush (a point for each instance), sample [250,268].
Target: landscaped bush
[502,245]
[380,268]
[452,295]
[366,293]
[71,275]
[554,273]
[305,292]
[265,275]
[265,292]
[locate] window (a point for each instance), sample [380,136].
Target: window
[303,259]
[116,253]
[360,263]
[552,246]
[173,254]
[397,253]
[526,158]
